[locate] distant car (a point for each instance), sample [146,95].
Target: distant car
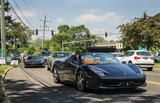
[34,61]
[45,55]
[98,71]
[143,59]
[56,56]
[118,55]
[156,58]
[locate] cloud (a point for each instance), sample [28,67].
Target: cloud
[60,20]
[111,17]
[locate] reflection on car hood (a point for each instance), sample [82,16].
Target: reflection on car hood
[115,68]
[60,59]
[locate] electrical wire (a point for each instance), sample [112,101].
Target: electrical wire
[17,14]
[23,14]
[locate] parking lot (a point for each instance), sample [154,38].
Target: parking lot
[35,85]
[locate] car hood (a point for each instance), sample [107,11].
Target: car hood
[59,59]
[114,68]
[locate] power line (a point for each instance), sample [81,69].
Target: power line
[30,5]
[23,14]
[30,1]
[17,14]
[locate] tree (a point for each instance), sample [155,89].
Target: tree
[56,41]
[63,28]
[142,31]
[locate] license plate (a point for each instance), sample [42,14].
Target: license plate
[145,57]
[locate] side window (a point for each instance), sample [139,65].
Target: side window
[129,54]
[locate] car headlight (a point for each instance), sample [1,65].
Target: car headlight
[100,73]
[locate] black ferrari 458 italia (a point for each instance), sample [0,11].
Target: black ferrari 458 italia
[98,71]
[34,61]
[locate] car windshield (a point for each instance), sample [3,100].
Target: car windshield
[143,53]
[34,57]
[98,58]
[61,55]
[117,55]
[46,53]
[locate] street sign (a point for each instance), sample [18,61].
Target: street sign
[119,45]
[2,61]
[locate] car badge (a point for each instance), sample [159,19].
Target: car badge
[124,73]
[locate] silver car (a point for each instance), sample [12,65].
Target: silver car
[56,56]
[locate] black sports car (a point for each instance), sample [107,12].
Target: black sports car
[98,71]
[34,61]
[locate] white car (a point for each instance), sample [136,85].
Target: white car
[143,59]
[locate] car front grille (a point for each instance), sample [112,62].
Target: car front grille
[123,83]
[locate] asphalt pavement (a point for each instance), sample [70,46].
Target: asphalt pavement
[35,85]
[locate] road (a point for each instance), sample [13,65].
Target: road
[35,85]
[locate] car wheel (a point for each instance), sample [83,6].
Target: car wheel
[81,81]
[25,66]
[55,75]
[130,62]
[48,68]
[150,69]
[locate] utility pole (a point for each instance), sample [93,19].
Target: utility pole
[44,29]
[3,35]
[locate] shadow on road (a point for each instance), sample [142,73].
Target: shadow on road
[23,92]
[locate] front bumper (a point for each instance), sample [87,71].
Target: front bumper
[142,65]
[35,64]
[97,83]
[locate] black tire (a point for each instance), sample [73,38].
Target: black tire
[25,66]
[81,81]
[130,62]
[48,68]
[150,69]
[55,75]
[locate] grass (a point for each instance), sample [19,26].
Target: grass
[2,70]
[156,65]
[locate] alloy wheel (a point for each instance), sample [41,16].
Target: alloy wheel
[81,82]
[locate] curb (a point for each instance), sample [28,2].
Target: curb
[6,100]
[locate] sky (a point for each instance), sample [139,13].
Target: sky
[98,16]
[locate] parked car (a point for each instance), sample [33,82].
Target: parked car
[142,59]
[118,55]
[45,55]
[156,58]
[56,56]
[34,61]
[98,71]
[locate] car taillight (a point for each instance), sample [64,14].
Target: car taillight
[152,58]
[136,58]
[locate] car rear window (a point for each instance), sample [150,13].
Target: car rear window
[130,53]
[143,53]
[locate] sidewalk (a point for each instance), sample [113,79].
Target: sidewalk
[21,88]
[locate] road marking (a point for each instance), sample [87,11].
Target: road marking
[150,82]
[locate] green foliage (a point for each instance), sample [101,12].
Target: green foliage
[16,33]
[69,34]
[31,50]
[63,28]
[143,32]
